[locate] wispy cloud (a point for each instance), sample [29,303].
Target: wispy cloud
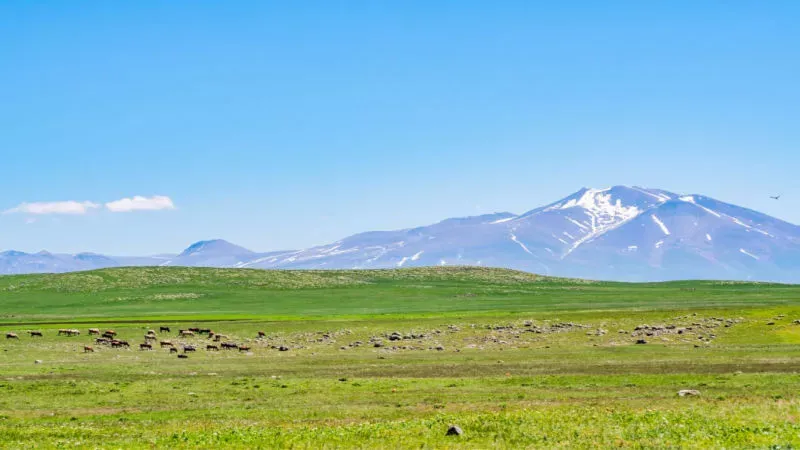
[67,207]
[139,203]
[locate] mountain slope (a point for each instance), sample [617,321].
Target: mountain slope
[619,233]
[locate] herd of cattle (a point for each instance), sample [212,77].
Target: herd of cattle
[109,338]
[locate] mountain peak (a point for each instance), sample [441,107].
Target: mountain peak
[214,247]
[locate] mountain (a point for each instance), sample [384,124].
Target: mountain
[620,233]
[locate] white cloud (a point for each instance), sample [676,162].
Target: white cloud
[139,203]
[67,207]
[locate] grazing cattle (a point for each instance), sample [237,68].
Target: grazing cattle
[87,349]
[111,332]
[204,331]
[229,346]
[153,332]
[118,344]
[189,348]
[261,334]
[166,344]
[101,340]
[163,330]
[186,333]
[173,350]
[212,348]
[194,330]
[219,337]
[150,337]
[36,333]
[108,336]
[68,332]
[244,348]
[94,331]
[183,356]
[12,336]
[145,346]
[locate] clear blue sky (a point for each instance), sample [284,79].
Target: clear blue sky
[281,125]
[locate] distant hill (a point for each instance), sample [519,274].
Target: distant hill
[620,233]
[155,294]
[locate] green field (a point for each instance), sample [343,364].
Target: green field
[514,359]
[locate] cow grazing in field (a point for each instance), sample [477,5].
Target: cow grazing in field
[183,356]
[220,337]
[12,336]
[119,344]
[173,350]
[145,346]
[163,330]
[68,332]
[189,348]
[150,337]
[244,348]
[212,348]
[111,332]
[94,331]
[166,344]
[261,334]
[194,330]
[229,346]
[87,349]
[204,331]
[186,333]
[102,341]
[36,333]
[153,332]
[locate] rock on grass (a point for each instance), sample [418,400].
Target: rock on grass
[454,430]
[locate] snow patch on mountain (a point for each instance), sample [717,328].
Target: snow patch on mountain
[514,238]
[660,224]
[745,252]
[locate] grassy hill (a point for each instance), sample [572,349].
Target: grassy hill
[180,292]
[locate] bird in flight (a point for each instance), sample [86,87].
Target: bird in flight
[776,197]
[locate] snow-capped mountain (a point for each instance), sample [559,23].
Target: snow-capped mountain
[619,233]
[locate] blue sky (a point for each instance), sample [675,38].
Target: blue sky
[280,125]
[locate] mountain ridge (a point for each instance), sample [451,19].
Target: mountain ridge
[618,233]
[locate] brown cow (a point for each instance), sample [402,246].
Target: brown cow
[244,348]
[145,347]
[261,334]
[87,349]
[166,344]
[186,333]
[12,336]
[173,350]
[111,332]
[36,333]
[150,337]
[94,331]
[212,348]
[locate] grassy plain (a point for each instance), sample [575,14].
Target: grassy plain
[516,360]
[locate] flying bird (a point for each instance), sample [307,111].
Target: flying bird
[776,197]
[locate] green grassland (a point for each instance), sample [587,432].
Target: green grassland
[516,360]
